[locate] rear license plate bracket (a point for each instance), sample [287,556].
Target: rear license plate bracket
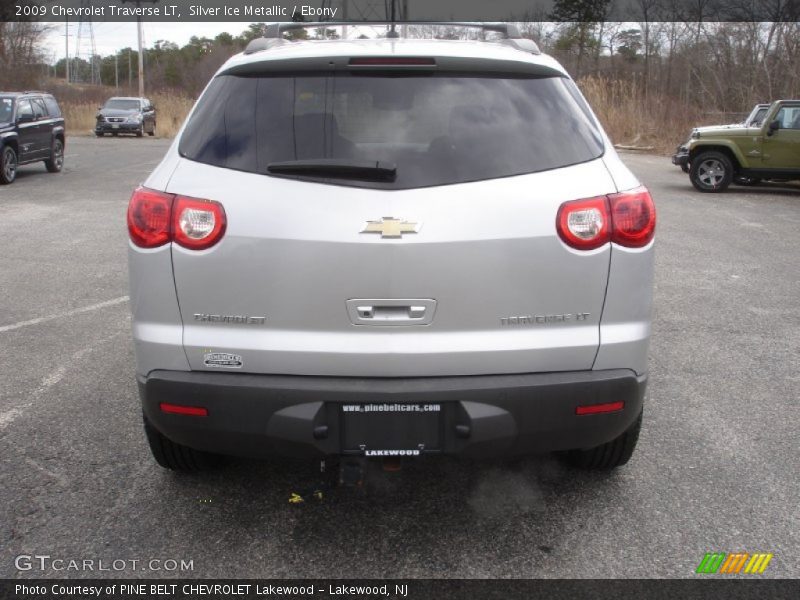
[391,429]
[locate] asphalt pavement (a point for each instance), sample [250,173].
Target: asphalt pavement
[716,468]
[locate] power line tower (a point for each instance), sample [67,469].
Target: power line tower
[86,30]
[368,10]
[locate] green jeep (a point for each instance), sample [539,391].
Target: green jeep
[747,155]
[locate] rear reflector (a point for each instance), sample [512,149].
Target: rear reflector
[177,409]
[593,409]
[392,61]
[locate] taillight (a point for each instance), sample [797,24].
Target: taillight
[197,224]
[149,214]
[584,224]
[627,219]
[633,216]
[156,218]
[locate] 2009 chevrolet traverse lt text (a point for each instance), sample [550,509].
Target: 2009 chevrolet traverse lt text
[391,247]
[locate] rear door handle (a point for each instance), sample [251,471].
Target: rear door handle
[393,311]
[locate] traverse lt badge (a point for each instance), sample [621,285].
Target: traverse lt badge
[390,227]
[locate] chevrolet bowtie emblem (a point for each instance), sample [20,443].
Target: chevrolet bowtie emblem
[389,227]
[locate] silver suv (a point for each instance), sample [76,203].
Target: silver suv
[391,248]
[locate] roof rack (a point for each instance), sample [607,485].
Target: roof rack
[273,33]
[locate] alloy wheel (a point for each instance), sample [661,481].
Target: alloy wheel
[9,164]
[58,155]
[711,172]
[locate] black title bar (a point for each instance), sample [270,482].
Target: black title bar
[417,10]
[704,588]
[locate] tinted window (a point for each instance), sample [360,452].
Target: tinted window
[52,106]
[759,117]
[6,109]
[436,129]
[39,110]
[789,117]
[24,108]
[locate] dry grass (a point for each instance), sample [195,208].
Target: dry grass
[79,117]
[171,110]
[631,119]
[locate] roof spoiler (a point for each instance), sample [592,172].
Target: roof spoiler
[273,33]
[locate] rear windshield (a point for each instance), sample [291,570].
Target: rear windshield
[435,129]
[6,109]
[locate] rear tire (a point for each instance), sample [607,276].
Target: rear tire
[711,171]
[8,165]
[152,131]
[177,457]
[610,455]
[56,161]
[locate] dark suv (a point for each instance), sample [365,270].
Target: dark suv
[126,115]
[31,129]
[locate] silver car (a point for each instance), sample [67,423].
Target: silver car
[391,248]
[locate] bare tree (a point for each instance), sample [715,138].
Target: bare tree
[21,58]
[646,12]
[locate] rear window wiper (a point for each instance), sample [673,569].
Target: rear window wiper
[367,170]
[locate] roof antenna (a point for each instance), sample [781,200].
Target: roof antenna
[392,34]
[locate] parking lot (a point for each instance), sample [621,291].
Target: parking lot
[716,468]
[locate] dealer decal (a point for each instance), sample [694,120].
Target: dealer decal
[223,360]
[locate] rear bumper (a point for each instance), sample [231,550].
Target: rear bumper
[481,416]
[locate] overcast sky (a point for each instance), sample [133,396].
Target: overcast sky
[110,37]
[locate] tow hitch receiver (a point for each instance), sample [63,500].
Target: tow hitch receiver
[351,472]
[392,464]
